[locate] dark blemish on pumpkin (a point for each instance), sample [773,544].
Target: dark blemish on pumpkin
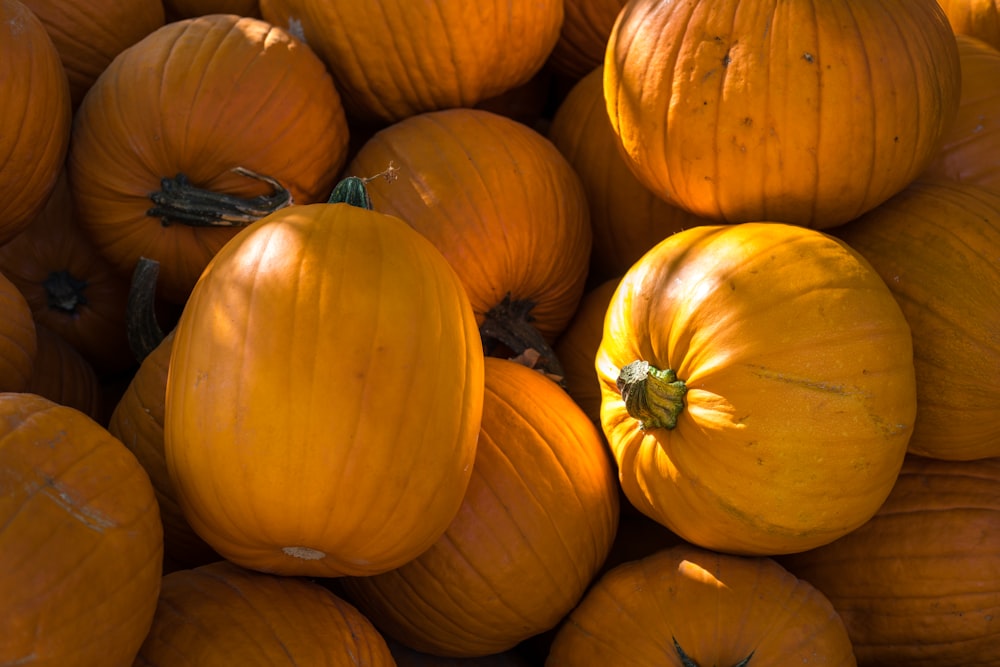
[732,285]
[704,103]
[808,57]
[760,461]
[895,139]
[748,121]
[726,60]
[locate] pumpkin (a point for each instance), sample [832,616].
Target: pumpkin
[88,34]
[537,522]
[80,539]
[62,375]
[18,338]
[970,146]
[394,59]
[976,18]
[407,657]
[798,112]
[501,204]
[202,127]
[186,9]
[919,584]
[687,606]
[583,36]
[219,614]
[758,387]
[626,218]
[936,246]
[36,114]
[324,393]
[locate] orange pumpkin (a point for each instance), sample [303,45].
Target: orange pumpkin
[799,112]
[35,112]
[758,389]
[160,133]
[18,338]
[536,524]
[936,246]
[62,375]
[219,615]
[80,539]
[186,9]
[688,606]
[583,36]
[919,584]
[324,394]
[395,58]
[976,18]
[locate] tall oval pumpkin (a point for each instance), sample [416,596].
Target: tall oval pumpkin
[324,394]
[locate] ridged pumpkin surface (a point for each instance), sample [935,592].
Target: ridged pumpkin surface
[977,18]
[800,399]
[18,338]
[324,394]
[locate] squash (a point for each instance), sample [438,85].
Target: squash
[62,375]
[936,246]
[80,539]
[919,584]
[688,606]
[36,114]
[18,338]
[583,36]
[758,387]
[537,522]
[201,127]
[324,393]
[395,58]
[798,112]
[976,18]
[186,9]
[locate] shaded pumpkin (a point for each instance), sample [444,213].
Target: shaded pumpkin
[324,393]
[758,389]
[200,128]
[976,18]
[936,246]
[80,539]
[798,112]
[187,9]
[583,36]
[62,375]
[18,338]
[407,657]
[537,522]
[687,606]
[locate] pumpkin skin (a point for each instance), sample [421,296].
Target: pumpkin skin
[537,522]
[18,338]
[220,614]
[80,539]
[797,112]
[976,18]
[936,246]
[36,102]
[62,375]
[394,59]
[200,97]
[583,36]
[719,609]
[344,444]
[186,9]
[800,389]
[919,584]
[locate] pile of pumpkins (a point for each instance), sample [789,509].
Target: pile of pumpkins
[567,333]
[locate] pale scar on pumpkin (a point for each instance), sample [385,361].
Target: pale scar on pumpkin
[305,553]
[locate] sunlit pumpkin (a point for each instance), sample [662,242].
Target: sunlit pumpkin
[976,18]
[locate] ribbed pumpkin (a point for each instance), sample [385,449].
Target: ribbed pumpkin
[88,34]
[324,393]
[18,338]
[35,112]
[536,524]
[219,615]
[799,112]
[62,375]
[173,115]
[80,540]
[758,387]
[977,18]
[627,219]
[970,147]
[919,584]
[583,36]
[687,606]
[396,58]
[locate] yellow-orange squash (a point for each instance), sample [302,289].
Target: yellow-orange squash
[324,394]
[977,18]
[80,540]
[758,387]
[801,112]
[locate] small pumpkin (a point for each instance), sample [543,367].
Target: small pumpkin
[18,338]
[62,375]
[758,387]
[976,18]
[583,36]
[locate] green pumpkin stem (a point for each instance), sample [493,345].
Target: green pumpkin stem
[142,328]
[509,324]
[178,201]
[655,397]
[353,190]
[686,660]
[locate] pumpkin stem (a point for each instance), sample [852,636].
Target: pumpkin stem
[142,329]
[654,397]
[64,291]
[686,660]
[352,189]
[509,324]
[179,201]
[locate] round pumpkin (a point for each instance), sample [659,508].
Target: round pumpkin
[162,139]
[219,614]
[18,338]
[62,375]
[324,394]
[396,58]
[798,112]
[919,584]
[80,540]
[35,112]
[976,18]
[936,246]
[689,606]
[758,387]
[537,522]
[583,36]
